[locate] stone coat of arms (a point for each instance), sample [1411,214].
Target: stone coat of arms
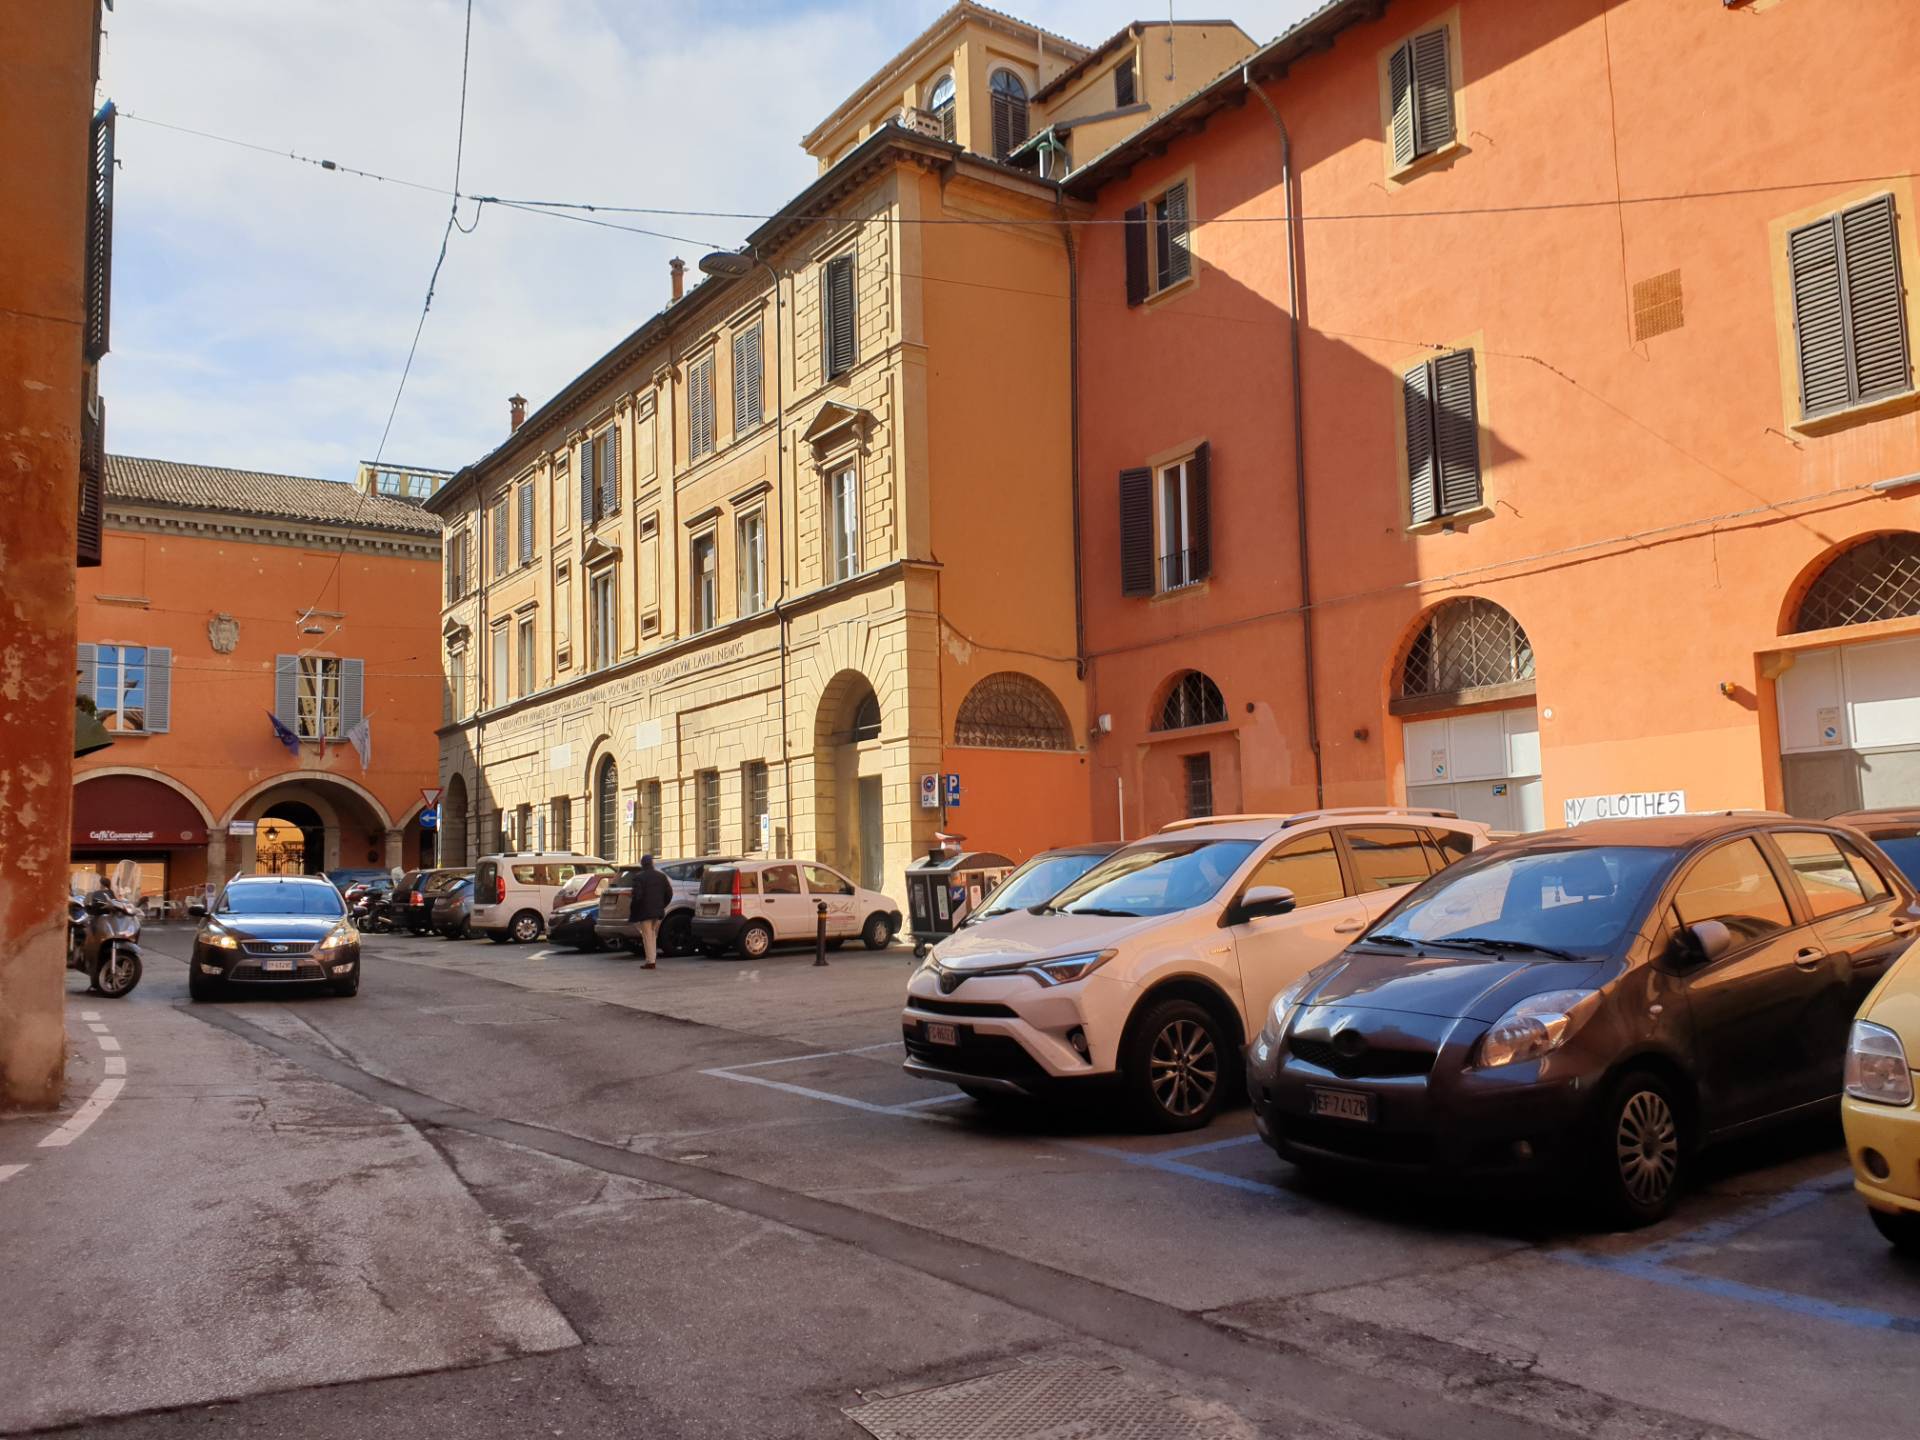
[223,633]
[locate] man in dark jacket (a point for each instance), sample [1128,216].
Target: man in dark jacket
[652,893]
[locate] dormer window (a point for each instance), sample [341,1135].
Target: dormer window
[1009,113]
[940,104]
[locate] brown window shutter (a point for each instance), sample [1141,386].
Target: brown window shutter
[1136,244]
[99,257]
[610,470]
[837,315]
[90,536]
[1416,393]
[1002,126]
[1876,311]
[1432,93]
[1123,91]
[1819,315]
[589,492]
[1174,245]
[1456,432]
[1400,94]
[1136,532]
[1200,512]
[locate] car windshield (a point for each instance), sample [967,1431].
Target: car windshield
[268,897]
[1156,877]
[1573,902]
[1039,880]
[1904,851]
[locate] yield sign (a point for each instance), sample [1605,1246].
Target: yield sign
[430,795]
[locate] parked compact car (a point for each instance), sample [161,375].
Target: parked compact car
[575,909]
[1039,880]
[513,893]
[1597,1002]
[1152,968]
[1879,1111]
[453,909]
[752,905]
[1896,832]
[274,930]
[616,925]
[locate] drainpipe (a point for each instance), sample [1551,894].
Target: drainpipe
[1073,403]
[780,518]
[1287,180]
[483,651]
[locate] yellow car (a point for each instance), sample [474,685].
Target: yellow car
[1879,1111]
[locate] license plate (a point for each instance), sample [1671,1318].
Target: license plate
[286,965]
[710,907]
[1353,1105]
[938,1034]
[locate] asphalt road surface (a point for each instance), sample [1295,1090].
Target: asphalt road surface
[513,1191]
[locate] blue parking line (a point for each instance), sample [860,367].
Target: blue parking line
[1718,1232]
[1804,1305]
[1226,1144]
[1167,1164]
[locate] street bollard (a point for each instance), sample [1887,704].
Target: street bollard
[820,932]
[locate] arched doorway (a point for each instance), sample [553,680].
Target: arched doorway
[1850,711]
[290,839]
[453,823]
[1464,688]
[606,809]
[849,785]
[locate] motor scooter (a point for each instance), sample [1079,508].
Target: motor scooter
[367,912]
[103,934]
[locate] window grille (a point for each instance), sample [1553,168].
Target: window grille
[1877,579]
[1466,644]
[1010,711]
[1194,700]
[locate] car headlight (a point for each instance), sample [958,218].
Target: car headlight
[221,939]
[341,934]
[1281,1011]
[1537,1026]
[1877,1065]
[1065,969]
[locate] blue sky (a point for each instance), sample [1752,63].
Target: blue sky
[262,308]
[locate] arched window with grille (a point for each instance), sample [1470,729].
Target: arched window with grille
[606,810]
[1009,94]
[1193,700]
[1875,579]
[1467,645]
[940,103]
[1011,711]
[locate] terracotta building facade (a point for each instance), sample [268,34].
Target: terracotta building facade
[1478,410]
[230,602]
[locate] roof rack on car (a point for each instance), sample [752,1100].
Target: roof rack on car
[1762,814]
[1195,820]
[1432,812]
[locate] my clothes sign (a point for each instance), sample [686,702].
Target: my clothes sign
[1627,805]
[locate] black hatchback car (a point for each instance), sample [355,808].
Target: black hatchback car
[1595,1004]
[274,930]
[1895,831]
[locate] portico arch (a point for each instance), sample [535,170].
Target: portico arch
[850,735]
[354,827]
[206,815]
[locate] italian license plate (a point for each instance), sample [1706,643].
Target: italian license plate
[279,965]
[938,1034]
[709,907]
[1352,1105]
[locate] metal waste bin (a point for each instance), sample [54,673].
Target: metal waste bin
[946,887]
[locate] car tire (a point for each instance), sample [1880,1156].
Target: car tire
[1901,1231]
[525,928]
[1639,1151]
[1175,1064]
[876,934]
[755,941]
[348,987]
[676,935]
[201,987]
[498,937]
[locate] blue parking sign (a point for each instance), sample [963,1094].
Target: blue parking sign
[953,791]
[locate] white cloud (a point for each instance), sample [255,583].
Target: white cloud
[262,309]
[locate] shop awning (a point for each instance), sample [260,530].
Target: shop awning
[130,812]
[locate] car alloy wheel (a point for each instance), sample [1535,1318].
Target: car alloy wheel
[877,935]
[756,940]
[526,928]
[1646,1146]
[1184,1069]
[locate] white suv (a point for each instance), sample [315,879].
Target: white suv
[1156,966]
[749,905]
[513,894]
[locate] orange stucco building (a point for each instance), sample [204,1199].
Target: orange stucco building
[1589,370]
[228,599]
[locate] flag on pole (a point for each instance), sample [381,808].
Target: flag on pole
[361,738]
[285,736]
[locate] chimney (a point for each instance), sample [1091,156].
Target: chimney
[517,408]
[679,269]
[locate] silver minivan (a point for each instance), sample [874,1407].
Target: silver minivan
[513,893]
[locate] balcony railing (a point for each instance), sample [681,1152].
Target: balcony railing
[1179,569]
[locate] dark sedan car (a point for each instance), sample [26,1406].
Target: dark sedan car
[453,909]
[576,910]
[268,931]
[1896,831]
[1596,1002]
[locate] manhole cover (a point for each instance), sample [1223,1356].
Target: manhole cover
[1050,1402]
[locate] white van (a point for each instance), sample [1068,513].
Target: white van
[513,893]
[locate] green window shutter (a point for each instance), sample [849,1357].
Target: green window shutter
[500,537]
[1400,94]
[609,468]
[1432,93]
[89,685]
[1416,393]
[1200,512]
[353,693]
[159,717]
[1876,309]
[526,523]
[1456,432]
[1136,532]
[588,493]
[1136,246]
[286,691]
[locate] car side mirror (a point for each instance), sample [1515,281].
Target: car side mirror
[1258,901]
[1705,942]
[197,911]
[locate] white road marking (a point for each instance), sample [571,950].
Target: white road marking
[96,1027]
[89,1014]
[94,1107]
[107,1042]
[818,1055]
[116,1064]
[7,1172]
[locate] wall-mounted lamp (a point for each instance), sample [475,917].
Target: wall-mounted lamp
[1729,689]
[1103,725]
